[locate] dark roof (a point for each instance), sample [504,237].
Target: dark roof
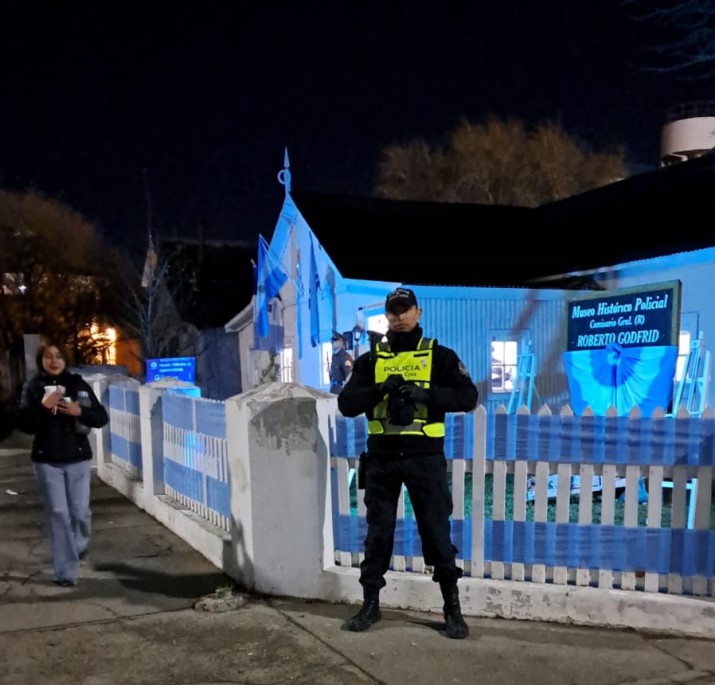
[661,212]
[211,280]
[650,214]
[421,242]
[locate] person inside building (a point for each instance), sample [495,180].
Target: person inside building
[405,385]
[341,363]
[59,408]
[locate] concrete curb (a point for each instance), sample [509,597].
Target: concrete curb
[648,613]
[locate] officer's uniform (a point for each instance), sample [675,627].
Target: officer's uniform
[406,445]
[341,366]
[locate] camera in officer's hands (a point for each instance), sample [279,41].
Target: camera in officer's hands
[411,392]
[391,384]
[399,411]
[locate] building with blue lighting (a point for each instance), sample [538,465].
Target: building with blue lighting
[493,282]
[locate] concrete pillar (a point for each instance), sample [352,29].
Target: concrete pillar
[279,470]
[151,424]
[99,438]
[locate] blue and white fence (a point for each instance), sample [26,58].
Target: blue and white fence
[606,540]
[516,515]
[124,427]
[195,456]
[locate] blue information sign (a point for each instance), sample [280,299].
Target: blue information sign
[181,368]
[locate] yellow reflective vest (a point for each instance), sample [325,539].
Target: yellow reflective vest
[415,366]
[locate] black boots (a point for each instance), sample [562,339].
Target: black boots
[369,612]
[455,627]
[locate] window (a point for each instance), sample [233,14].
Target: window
[689,327]
[377,323]
[683,352]
[503,364]
[286,365]
[326,354]
[508,349]
[12,284]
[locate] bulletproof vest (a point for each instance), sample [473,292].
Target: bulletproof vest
[393,415]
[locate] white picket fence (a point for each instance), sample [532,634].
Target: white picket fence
[572,538]
[516,514]
[196,463]
[125,429]
[195,455]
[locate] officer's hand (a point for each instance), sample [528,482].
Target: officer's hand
[414,393]
[391,384]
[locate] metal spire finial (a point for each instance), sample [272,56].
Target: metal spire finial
[284,173]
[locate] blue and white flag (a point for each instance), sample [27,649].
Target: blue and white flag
[620,377]
[313,303]
[270,278]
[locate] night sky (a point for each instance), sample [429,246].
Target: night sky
[206,95]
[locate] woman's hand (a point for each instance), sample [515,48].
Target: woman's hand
[69,408]
[52,399]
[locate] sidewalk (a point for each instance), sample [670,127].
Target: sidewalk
[133,619]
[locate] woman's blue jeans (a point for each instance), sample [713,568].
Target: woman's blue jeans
[65,490]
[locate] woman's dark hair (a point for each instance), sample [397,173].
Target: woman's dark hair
[44,346]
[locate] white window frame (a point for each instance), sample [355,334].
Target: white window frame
[504,350]
[286,365]
[688,332]
[683,352]
[326,354]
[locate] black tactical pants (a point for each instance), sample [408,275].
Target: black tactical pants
[425,478]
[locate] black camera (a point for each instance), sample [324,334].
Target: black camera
[399,411]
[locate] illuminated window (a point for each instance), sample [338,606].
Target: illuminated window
[326,354]
[504,354]
[683,352]
[286,364]
[12,284]
[377,323]
[111,353]
[104,340]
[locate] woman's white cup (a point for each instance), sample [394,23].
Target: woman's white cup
[49,389]
[54,388]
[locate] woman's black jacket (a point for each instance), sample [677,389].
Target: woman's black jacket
[56,440]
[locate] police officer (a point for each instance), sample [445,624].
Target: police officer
[405,387]
[341,363]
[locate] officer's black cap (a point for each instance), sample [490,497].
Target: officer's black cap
[400,299]
[336,336]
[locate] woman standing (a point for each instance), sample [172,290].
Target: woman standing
[49,410]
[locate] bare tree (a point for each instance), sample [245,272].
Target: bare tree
[149,308]
[683,35]
[414,171]
[501,162]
